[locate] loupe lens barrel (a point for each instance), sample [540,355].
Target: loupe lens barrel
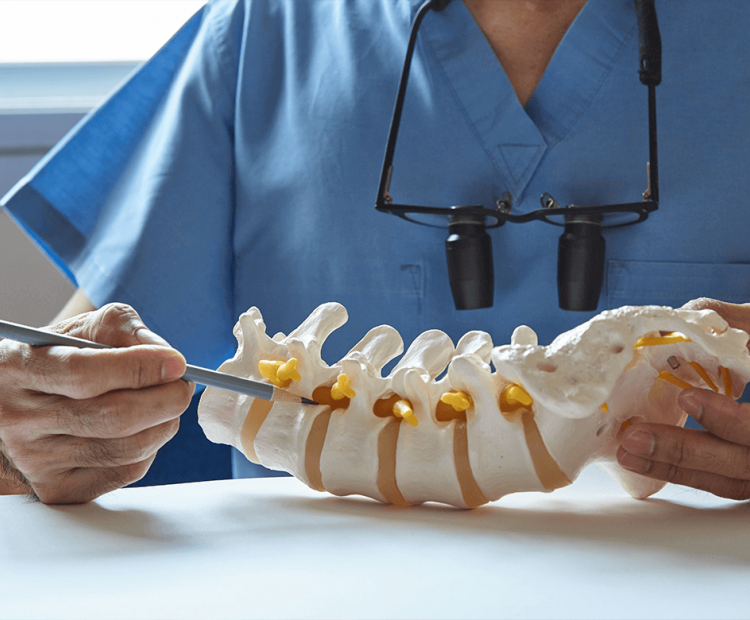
[580,266]
[470,270]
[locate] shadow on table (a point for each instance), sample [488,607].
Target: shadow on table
[653,525]
[85,530]
[269,517]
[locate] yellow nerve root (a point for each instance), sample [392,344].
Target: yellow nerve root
[704,375]
[650,341]
[402,409]
[670,378]
[279,373]
[515,397]
[727,381]
[460,401]
[341,389]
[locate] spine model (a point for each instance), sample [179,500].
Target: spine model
[530,424]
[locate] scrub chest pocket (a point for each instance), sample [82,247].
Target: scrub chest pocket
[673,284]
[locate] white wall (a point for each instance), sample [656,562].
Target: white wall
[32,290]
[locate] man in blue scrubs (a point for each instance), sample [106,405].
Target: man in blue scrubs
[239,167]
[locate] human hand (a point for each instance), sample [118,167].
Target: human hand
[715,460]
[78,423]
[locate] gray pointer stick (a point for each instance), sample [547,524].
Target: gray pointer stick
[224,381]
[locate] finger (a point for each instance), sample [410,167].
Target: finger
[721,415]
[110,416]
[687,448]
[78,486]
[86,373]
[737,315]
[723,486]
[117,325]
[51,455]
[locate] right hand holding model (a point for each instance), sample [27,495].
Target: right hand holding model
[77,423]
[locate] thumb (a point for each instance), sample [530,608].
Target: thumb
[116,325]
[145,336]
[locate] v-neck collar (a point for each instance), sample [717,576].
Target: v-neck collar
[580,64]
[516,138]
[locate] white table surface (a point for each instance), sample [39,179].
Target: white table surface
[273,548]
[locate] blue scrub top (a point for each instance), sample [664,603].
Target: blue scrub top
[239,168]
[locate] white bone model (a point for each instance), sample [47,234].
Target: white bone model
[473,435]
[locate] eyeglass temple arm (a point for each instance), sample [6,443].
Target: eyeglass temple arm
[649,48]
[650,74]
[385,175]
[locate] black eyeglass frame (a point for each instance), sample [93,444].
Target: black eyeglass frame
[650,75]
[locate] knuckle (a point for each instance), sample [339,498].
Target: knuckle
[683,451]
[671,473]
[118,415]
[18,360]
[142,373]
[98,453]
[139,369]
[675,449]
[83,420]
[115,320]
[134,450]
[117,315]
[70,372]
[112,324]
[74,373]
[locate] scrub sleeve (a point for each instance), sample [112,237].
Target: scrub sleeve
[136,205]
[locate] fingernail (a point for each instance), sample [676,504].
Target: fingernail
[627,424]
[690,405]
[146,336]
[639,442]
[173,366]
